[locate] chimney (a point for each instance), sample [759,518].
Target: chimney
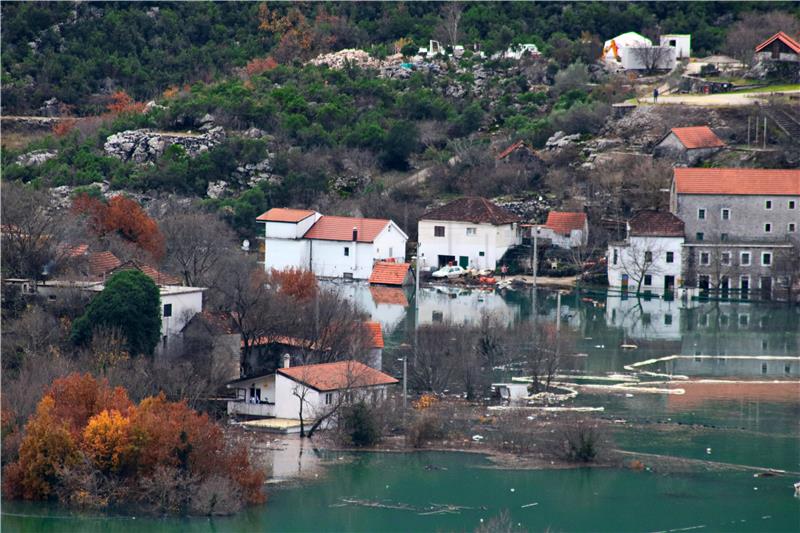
[287,360]
[355,234]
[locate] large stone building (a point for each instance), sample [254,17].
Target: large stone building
[741,228]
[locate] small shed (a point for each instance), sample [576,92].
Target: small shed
[688,145]
[682,43]
[779,47]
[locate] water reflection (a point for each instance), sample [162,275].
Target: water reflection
[603,324]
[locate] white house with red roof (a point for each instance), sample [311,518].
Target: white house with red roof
[316,388]
[329,246]
[566,229]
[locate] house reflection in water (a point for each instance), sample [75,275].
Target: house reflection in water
[460,305]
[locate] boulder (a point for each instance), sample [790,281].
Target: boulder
[146,146]
[35,158]
[216,188]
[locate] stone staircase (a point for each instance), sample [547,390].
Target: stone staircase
[788,122]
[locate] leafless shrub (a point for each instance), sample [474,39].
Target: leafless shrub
[165,490]
[216,496]
[425,427]
[502,523]
[582,440]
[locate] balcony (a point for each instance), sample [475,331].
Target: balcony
[241,407]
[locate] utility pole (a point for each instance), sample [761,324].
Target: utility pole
[418,260]
[405,382]
[748,131]
[764,141]
[535,253]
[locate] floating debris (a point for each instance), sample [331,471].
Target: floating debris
[529,505]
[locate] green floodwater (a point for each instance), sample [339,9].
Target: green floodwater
[559,500]
[742,430]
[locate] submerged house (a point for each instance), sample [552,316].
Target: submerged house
[319,387]
[566,229]
[329,246]
[470,232]
[688,145]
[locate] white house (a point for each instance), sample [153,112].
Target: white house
[636,52]
[682,43]
[565,229]
[650,258]
[319,387]
[614,49]
[471,232]
[329,246]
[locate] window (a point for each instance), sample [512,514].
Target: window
[648,257]
[726,214]
[347,251]
[701,214]
[723,237]
[438,231]
[767,228]
[705,258]
[616,256]
[768,204]
[667,320]
[670,257]
[328,398]
[437,316]
[766,258]
[763,368]
[792,204]
[744,259]
[787,369]
[471,231]
[765,345]
[726,258]
[792,227]
[648,279]
[743,320]
[699,236]
[391,251]
[481,254]
[167,310]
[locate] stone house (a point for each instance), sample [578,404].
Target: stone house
[741,228]
[779,47]
[649,259]
[688,145]
[470,232]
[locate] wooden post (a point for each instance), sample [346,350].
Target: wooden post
[764,145]
[748,131]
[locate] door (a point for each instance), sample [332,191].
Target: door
[463,261]
[624,283]
[766,288]
[445,260]
[745,287]
[724,286]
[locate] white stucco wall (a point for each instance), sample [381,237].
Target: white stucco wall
[631,253]
[632,60]
[575,239]
[682,46]
[492,240]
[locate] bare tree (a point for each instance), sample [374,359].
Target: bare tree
[435,358]
[451,19]
[651,58]
[753,28]
[639,259]
[196,245]
[30,232]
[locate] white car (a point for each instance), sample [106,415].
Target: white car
[449,272]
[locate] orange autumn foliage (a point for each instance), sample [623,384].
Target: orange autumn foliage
[296,282]
[124,217]
[121,440]
[121,103]
[260,64]
[64,126]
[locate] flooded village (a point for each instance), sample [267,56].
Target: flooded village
[491,267]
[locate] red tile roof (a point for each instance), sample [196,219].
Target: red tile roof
[564,222]
[697,137]
[382,294]
[508,151]
[75,251]
[334,376]
[375,334]
[783,37]
[656,224]
[281,214]
[386,273]
[752,181]
[477,210]
[159,278]
[101,263]
[329,228]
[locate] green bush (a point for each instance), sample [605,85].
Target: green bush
[360,425]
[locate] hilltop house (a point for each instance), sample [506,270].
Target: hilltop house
[319,387]
[649,259]
[329,246]
[470,232]
[566,229]
[741,227]
[688,145]
[682,43]
[779,47]
[632,51]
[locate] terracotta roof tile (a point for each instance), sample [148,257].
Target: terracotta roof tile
[340,375]
[783,37]
[564,222]
[386,273]
[382,294]
[101,263]
[159,278]
[656,224]
[329,228]
[477,210]
[745,181]
[697,137]
[280,214]
[375,333]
